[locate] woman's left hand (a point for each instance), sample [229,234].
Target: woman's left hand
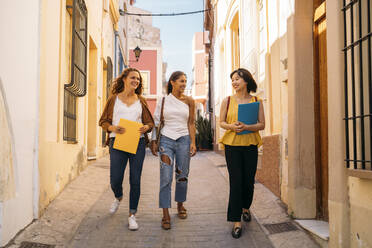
[144,129]
[240,127]
[192,149]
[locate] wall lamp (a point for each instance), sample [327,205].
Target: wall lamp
[137,52]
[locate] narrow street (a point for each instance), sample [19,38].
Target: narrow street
[79,216]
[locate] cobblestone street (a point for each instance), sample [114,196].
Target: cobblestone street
[79,217]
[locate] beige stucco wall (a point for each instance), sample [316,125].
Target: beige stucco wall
[7,180]
[301,138]
[360,212]
[61,161]
[338,201]
[19,73]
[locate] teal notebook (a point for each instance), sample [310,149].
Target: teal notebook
[248,114]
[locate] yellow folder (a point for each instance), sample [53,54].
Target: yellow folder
[128,141]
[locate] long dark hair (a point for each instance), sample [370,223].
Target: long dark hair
[175,75]
[247,77]
[118,83]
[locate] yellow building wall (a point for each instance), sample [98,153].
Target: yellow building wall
[360,212]
[61,161]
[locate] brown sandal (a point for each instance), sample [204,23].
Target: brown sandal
[182,214]
[165,224]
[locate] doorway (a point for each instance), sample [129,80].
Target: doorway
[321,110]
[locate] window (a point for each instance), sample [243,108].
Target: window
[357,83]
[69,117]
[235,46]
[78,76]
[76,42]
[145,82]
[108,86]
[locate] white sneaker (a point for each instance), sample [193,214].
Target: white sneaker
[114,206]
[132,223]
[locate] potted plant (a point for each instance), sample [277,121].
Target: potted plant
[204,133]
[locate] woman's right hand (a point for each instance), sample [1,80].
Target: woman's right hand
[116,129]
[154,148]
[235,127]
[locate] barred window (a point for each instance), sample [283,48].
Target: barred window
[76,42]
[78,76]
[358,86]
[69,117]
[145,82]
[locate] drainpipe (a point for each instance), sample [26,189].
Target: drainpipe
[116,54]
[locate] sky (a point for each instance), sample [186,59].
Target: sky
[176,32]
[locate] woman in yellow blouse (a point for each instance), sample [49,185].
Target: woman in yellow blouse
[240,150]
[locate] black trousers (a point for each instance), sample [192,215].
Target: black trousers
[242,165]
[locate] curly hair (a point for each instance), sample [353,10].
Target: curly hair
[175,75]
[118,83]
[247,77]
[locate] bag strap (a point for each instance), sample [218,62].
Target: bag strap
[255,98]
[161,112]
[227,108]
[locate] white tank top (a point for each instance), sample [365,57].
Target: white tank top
[121,110]
[176,116]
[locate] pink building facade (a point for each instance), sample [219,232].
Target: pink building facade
[150,66]
[147,37]
[200,71]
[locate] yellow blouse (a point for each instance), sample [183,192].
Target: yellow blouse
[230,137]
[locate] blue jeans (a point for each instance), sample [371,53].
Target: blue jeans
[118,163]
[178,152]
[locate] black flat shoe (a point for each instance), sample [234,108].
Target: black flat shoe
[236,232]
[247,216]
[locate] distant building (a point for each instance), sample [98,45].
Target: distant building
[142,34]
[199,87]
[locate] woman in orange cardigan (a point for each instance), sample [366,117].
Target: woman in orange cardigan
[126,102]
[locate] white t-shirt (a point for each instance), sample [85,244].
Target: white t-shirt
[176,116]
[121,110]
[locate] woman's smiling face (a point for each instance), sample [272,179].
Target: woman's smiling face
[132,80]
[179,84]
[238,82]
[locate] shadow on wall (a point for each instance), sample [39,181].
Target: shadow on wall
[7,158]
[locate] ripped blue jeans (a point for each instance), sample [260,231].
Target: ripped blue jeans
[178,152]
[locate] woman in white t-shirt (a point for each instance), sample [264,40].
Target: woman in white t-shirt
[176,146]
[126,102]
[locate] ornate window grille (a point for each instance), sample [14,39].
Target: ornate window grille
[78,77]
[78,61]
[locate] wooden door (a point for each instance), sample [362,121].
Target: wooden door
[321,110]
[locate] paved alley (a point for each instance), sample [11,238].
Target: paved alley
[79,216]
